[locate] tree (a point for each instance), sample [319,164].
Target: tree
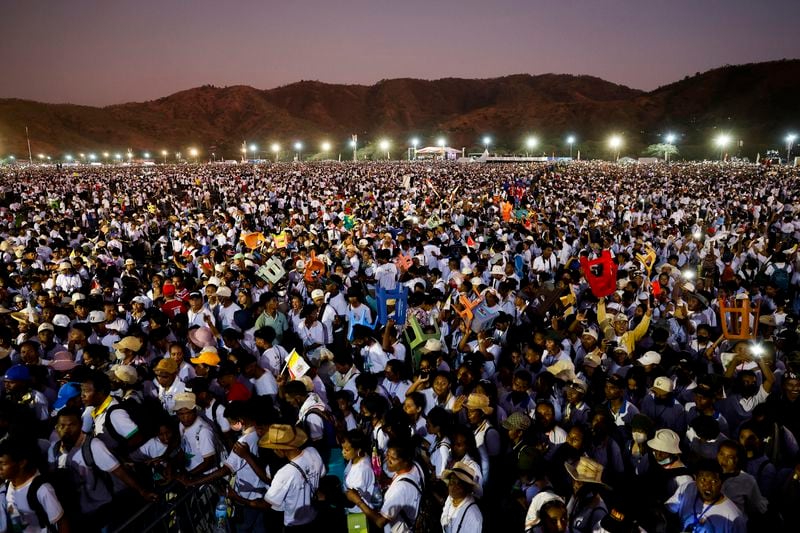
[661,150]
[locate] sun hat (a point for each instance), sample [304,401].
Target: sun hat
[124,373]
[480,402]
[518,421]
[283,437]
[63,361]
[431,345]
[666,441]
[185,400]
[130,342]
[532,518]
[462,471]
[170,366]
[586,471]
[664,384]
[202,336]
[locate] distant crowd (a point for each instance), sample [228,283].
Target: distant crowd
[427,347]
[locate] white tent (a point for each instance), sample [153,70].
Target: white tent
[438,151]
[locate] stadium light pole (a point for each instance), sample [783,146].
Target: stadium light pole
[326,147]
[722,141]
[164,153]
[92,157]
[442,142]
[530,144]
[68,157]
[354,146]
[147,155]
[789,144]
[415,143]
[276,149]
[254,149]
[615,142]
[486,142]
[384,145]
[570,142]
[670,138]
[193,153]
[298,147]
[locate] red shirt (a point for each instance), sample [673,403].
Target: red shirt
[238,392]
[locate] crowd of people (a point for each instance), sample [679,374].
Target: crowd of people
[428,347]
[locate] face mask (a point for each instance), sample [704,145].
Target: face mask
[639,438]
[236,426]
[665,461]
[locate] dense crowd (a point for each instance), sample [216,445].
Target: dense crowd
[402,346]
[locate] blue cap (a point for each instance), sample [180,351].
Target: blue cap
[18,373]
[67,392]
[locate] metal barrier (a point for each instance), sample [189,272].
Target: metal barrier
[178,510]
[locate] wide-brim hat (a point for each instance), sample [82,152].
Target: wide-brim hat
[480,402]
[283,437]
[586,471]
[464,472]
[666,441]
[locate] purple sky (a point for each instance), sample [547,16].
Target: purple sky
[100,52]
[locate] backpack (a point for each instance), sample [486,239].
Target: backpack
[428,511]
[329,439]
[144,414]
[65,492]
[780,277]
[99,475]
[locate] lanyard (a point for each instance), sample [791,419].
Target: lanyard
[699,518]
[103,406]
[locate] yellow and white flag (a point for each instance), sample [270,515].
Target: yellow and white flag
[297,365]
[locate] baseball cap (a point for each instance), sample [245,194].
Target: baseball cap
[185,400]
[128,343]
[124,373]
[317,293]
[616,380]
[170,366]
[97,317]
[224,292]
[61,321]
[664,384]
[168,289]
[650,358]
[518,421]
[591,360]
[208,356]
[45,327]
[67,392]
[18,373]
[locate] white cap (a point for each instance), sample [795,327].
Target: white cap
[664,384]
[97,317]
[650,358]
[224,292]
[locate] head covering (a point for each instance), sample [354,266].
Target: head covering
[63,361]
[479,401]
[185,400]
[464,472]
[518,421]
[18,373]
[97,317]
[128,343]
[45,327]
[208,356]
[170,366]
[586,471]
[591,360]
[666,441]
[650,358]
[579,385]
[202,336]
[168,289]
[533,518]
[283,437]
[224,292]
[664,384]
[317,293]
[124,373]
[67,391]
[431,345]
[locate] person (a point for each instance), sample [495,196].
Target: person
[197,438]
[586,507]
[110,422]
[547,513]
[402,500]
[358,474]
[295,483]
[700,505]
[23,511]
[87,459]
[461,513]
[739,486]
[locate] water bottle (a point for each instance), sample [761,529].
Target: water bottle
[221,516]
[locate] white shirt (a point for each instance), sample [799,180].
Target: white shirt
[273,359]
[465,518]
[291,491]
[17,503]
[197,442]
[247,484]
[265,385]
[361,478]
[94,492]
[401,502]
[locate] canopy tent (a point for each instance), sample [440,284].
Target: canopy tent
[438,151]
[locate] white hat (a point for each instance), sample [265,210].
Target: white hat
[214,280]
[591,332]
[664,384]
[650,358]
[532,518]
[62,321]
[45,327]
[224,292]
[666,441]
[431,345]
[317,293]
[466,271]
[97,317]
[476,281]
[497,270]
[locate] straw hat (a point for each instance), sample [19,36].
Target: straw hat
[283,437]
[586,471]
[464,472]
[185,400]
[480,402]
[128,343]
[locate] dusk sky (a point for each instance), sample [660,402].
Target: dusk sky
[100,52]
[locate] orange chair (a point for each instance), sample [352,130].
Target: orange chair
[739,322]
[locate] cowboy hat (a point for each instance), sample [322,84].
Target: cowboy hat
[283,437]
[462,471]
[586,471]
[480,402]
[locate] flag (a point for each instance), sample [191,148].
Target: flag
[297,365]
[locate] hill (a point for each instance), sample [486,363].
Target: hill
[757,103]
